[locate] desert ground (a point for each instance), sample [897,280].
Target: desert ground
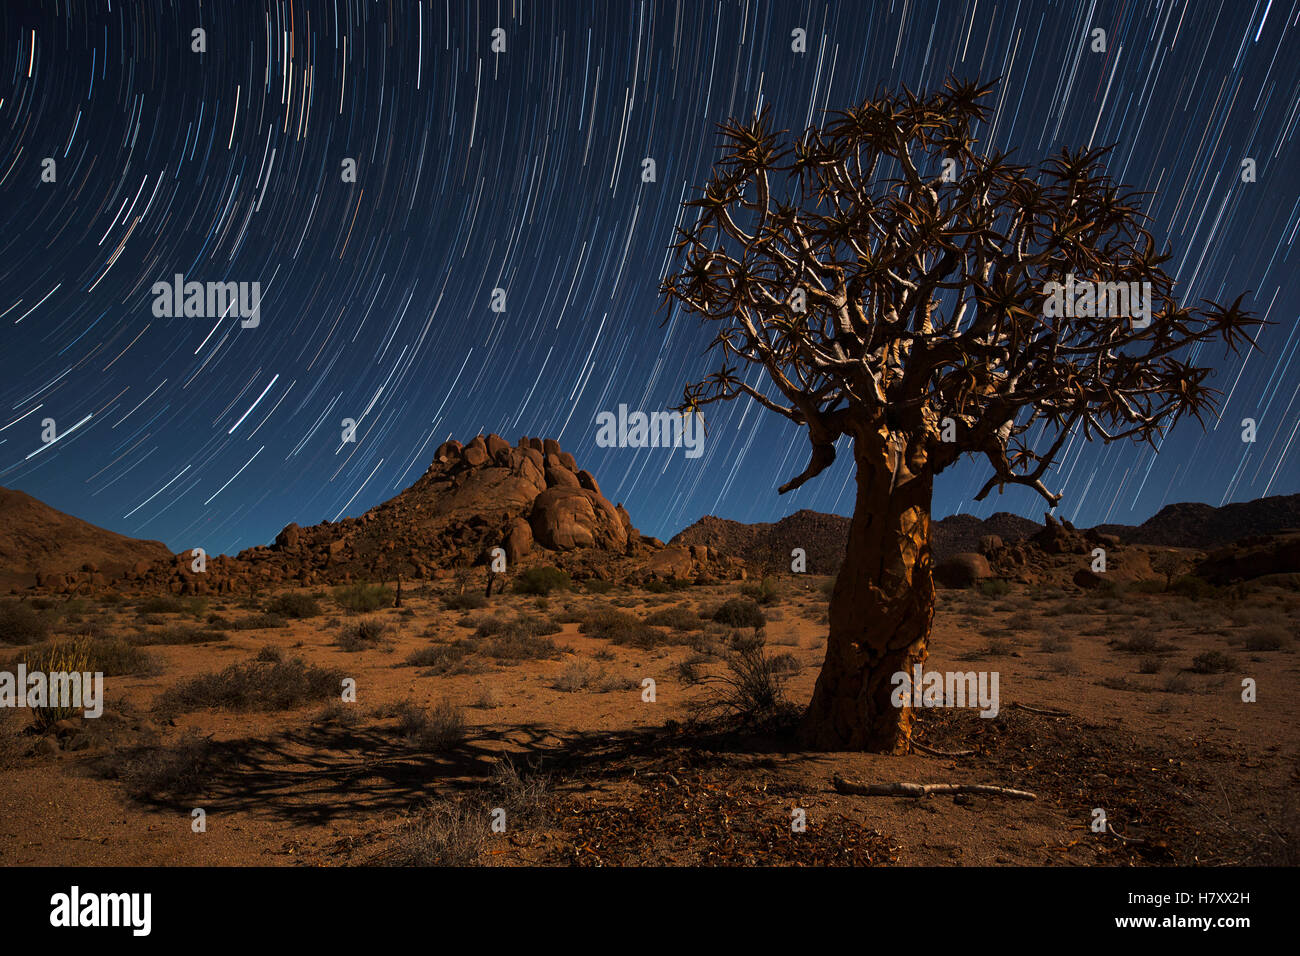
[515,730]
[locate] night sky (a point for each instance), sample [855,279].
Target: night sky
[522,170]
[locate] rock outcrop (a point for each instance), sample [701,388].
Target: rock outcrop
[531,500]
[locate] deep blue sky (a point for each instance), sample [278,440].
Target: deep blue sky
[522,170]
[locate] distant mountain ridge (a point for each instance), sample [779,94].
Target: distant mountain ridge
[823,536]
[1196,525]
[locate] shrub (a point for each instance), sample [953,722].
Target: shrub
[255,685]
[994,588]
[67,657]
[1267,639]
[270,654]
[110,656]
[363,598]
[166,772]
[178,634]
[447,832]
[750,689]
[20,624]
[338,713]
[620,627]
[362,634]
[12,745]
[679,618]
[520,639]
[740,612]
[1139,644]
[597,586]
[469,601]
[542,581]
[765,592]
[258,622]
[434,729]
[1213,662]
[161,604]
[295,605]
[453,831]
[1150,665]
[441,659]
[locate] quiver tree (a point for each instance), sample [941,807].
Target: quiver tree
[893,283]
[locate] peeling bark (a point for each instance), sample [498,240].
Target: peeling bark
[882,605]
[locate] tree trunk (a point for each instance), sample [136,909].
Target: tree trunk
[881,607]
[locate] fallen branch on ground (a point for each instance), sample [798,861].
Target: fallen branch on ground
[935,752]
[1039,710]
[844,785]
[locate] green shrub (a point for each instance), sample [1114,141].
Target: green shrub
[469,601]
[21,624]
[363,598]
[994,588]
[597,586]
[620,627]
[295,605]
[740,612]
[542,581]
[766,591]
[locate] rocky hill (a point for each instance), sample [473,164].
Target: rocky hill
[531,500]
[40,542]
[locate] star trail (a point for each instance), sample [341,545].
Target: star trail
[444,209]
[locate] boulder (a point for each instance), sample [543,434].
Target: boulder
[560,477]
[496,446]
[565,518]
[519,540]
[290,538]
[963,569]
[475,453]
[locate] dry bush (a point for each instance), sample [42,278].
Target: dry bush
[178,634]
[254,685]
[432,729]
[167,771]
[751,688]
[361,635]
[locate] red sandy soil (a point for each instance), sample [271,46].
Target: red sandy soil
[1186,772]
